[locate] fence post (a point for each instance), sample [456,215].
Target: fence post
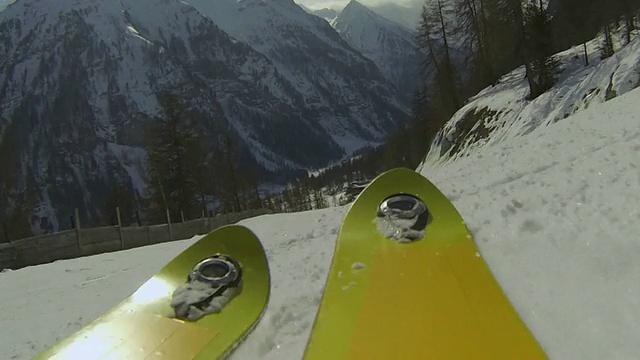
[6,232]
[77,226]
[120,227]
[204,223]
[169,223]
[182,215]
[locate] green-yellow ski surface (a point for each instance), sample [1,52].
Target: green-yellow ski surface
[143,326]
[430,298]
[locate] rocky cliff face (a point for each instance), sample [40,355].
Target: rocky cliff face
[79,86]
[343,92]
[390,45]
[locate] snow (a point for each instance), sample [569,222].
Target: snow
[349,142]
[558,226]
[554,213]
[578,88]
[400,224]
[267,27]
[5,3]
[185,300]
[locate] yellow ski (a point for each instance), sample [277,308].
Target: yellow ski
[199,306]
[407,282]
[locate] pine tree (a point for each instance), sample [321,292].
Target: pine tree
[629,23]
[18,219]
[229,182]
[307,194]
[319,201]
[473,29]
[176,161]
[228,190]
[119,196]
[433,38]
[606,46]
[573,24]
[268,201]
[277,203]
[287,200]
[539,48]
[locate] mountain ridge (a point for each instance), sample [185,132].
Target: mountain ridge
[388,44]
[79,87]
[296,42]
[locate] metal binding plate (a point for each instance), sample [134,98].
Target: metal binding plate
[216,271]
[402,206]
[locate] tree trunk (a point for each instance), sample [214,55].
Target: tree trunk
[586,54]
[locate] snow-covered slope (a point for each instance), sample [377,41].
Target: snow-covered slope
[79,82]
[391,46]
[502,112]
[554,213]
[352,100]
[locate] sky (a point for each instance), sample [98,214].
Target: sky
[339,4]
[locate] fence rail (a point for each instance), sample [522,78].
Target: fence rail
[80,242]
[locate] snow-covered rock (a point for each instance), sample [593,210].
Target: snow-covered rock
[502,112]
[390,45]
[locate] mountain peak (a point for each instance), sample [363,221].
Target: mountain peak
[355,5]
[388,44]
[325,13]
[357,12]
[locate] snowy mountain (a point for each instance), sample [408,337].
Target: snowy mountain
[405,13]
[351,100]
[79,83]
[328,14]
[390,45]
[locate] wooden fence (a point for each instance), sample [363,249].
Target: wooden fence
[80,242]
